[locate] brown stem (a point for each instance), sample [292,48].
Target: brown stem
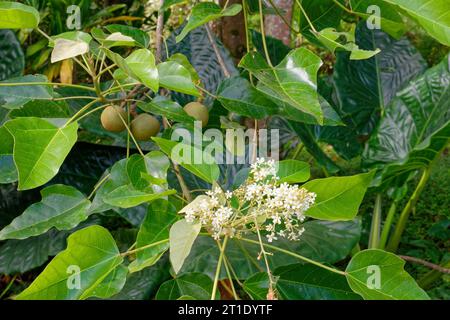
[159,31]
[426,264]
[217,52]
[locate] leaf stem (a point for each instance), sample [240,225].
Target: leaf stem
[127,253]
[394,241]
[263,33]
[306,16]
[387,225]
[374,236]
[296,256]
[219,265]
[19,84]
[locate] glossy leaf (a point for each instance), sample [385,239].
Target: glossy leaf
[66,49]
[415,126]
[19,256]
[391,21]
[323,241]
[142,64]
[139,36]
[293,81]
[361,89]
[167,108]
[174,76]
[379,275]
[238,95]
[197,48]
[329,37]
[433,16]
[15,96]
[39,149]
[182,236]
[14,15]
[322,14]
[205,171]
[338,198]
[94,252]
[309,282]
[195,285]
[293,171]
[184,61]
[205,12]
[257,286]
[160,217]
[62,207]
[42,109]
[128,197]
[8,171]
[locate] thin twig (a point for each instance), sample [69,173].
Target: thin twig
[224,68]
[425,263]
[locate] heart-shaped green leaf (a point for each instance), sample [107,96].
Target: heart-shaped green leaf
[39,149]
[379,275]
[293,81]
[338,198]
[174,76]
[79,271]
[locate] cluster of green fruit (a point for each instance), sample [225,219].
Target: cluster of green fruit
[144,125]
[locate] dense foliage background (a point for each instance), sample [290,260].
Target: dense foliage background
[378,115]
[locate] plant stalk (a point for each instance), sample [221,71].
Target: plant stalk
[374,237]
[394,241]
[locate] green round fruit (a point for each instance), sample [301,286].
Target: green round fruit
[197,111]
[144,126]
[110,118]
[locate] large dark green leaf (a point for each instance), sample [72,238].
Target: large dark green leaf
[238,95]
[155,228]
[95,253]
[391,20]
[323,241]
[415,126]
[432,15]
[24,255]
[143,285]
[197,48]
[309,282]
[379,275]
[12,60]
[62,207]
[292,82]
[39,149]
[13,95]
[363,88]
[323,14]
[195,285]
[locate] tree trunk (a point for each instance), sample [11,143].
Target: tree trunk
[274,25]
[232,32]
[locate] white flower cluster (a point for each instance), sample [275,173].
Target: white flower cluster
[282,205]
[212,212]
[277,209]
